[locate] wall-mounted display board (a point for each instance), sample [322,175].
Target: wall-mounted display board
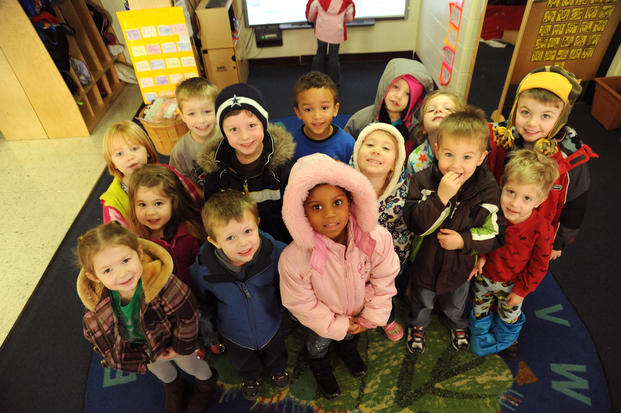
[570,33]
[264,12]
[159,45]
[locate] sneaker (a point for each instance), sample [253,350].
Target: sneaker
[460,339]
[250,388]
[281,380]
[393,331]
[415,341]
[512,352]
[217,349]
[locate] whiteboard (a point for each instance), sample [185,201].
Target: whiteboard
[262,12]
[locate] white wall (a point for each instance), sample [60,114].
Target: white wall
[384,36]
[432,29]
[615,66]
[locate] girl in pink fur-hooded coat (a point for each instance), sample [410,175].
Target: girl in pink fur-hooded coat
[322,282]
[337,277]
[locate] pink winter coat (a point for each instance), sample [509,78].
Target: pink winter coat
[322,283]
[330,17]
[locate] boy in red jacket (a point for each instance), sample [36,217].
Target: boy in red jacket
[509,273]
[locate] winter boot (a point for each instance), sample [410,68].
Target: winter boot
[348,351]
[174,395]
[322,370]
[203,392]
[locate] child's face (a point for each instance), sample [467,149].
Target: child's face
[459,156]
[518,200]
[398,96]
[316,108]
[153,209]
[436,109]
[244,133]
[127,156]
[118,268]
[199,116]
[535,119]
[239,240]
[327,209]
[377,154]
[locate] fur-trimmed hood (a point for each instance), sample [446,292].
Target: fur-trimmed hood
[398,177]
[157,266]
[278,149]
[312,170]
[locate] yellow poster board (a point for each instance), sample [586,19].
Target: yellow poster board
[160,49]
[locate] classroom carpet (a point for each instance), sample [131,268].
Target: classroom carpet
[558,370]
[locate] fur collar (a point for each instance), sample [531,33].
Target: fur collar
[280,140]
[157,267]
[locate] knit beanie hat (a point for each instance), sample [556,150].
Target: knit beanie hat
[240,96]
[557,80]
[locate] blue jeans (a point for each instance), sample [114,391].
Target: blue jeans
[317,346]
[333,66]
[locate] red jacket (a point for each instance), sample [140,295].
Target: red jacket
[523,259]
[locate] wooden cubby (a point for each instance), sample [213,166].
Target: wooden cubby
[47,109]
[219,25]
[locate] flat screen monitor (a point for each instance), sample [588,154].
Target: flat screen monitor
[263,12]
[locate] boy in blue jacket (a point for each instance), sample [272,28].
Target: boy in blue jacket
[238,266]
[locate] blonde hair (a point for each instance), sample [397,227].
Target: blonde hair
[420,135]
[469,124]
[528,167]
[129,132]
[101,237]
[225,206]
[195,88]
[183,207]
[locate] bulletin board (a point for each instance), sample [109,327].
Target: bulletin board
[573,34]
[160,48]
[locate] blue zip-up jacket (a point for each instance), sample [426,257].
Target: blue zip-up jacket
[249,311]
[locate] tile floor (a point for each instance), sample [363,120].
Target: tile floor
[44,185]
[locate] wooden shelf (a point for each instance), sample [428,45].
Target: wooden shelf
[45,103]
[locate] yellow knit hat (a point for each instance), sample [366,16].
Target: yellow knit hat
[557,80]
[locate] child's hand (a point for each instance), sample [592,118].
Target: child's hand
[449,185]
[478,267]
[450,240]
[168,354]
[513,299]
[555,254]
[355,327]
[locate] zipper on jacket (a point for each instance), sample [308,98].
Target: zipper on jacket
[246,187]
[251,323]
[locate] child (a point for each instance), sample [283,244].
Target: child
[400,92]
[162,211]
[538,120]
[196,98]
[435,107]
[315,101]
[329,18]
[252,157]
[337,277]
[512,271]
[125,281]
[454,206]
[238,267]
[379,154]
[125,147]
